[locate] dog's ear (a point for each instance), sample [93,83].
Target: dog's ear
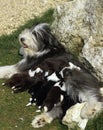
[44,36]
[46,27]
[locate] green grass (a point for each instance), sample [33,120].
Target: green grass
[14,115]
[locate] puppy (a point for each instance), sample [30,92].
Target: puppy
[54,96]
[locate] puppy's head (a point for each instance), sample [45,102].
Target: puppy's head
[69,71]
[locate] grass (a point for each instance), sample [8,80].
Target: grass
[14,115]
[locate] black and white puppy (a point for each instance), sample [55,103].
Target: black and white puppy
[58,93]
[54,96]
[40,90]
[38,43]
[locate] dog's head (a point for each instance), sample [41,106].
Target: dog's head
[38,40]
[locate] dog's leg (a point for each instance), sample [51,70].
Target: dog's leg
[7,71]
[47,117]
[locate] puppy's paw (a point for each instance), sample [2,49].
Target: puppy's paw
[16,89]
[41,120]
[45,108]
[3,84]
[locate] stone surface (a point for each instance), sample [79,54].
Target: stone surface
[93,52]
[78,25]
[73,118]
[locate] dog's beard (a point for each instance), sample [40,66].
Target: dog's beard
[30,51]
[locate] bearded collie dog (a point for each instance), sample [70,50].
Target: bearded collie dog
[45,60]
[37,44]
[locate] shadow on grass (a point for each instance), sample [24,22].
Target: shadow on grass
[9,44]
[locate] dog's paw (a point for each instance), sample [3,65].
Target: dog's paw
[41,120]
[89,111]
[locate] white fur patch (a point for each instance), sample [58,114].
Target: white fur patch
[53,77]
[46,74]
[30,99]
[32,73]
[72,66]
[63,87]
[61,98]
[29,104]
[42,53]
[38,111]
[13,87]
[3,84]
[39,107]
[45,109]
[8,71]
[38,70]
[57,84]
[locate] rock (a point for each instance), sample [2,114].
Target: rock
[93,52]
[74,25]
[73,118]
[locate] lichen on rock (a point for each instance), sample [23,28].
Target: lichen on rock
[75,23]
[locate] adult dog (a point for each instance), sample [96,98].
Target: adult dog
[38,43]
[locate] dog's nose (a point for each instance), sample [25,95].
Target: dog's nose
[22,39]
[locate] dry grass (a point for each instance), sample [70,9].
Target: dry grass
[14,13]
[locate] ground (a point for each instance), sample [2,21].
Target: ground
[14,13]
